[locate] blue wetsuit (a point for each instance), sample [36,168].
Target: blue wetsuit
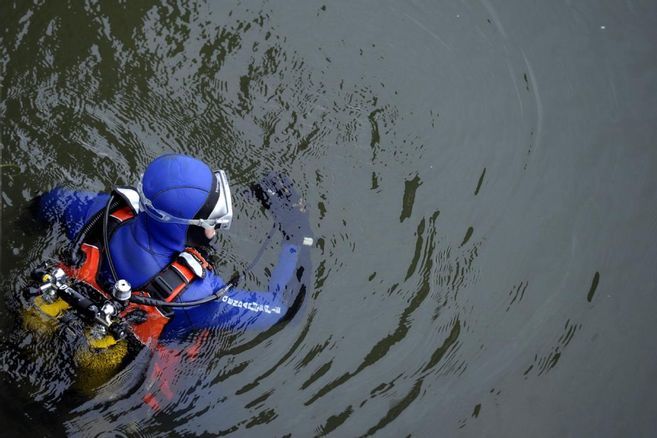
[141,247]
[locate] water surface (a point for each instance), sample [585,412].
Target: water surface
[480,178]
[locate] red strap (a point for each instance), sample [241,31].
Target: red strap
[123,214]
[197,255]
[187,273]
[184,271]
[149,399]
[195,348]
[166,365]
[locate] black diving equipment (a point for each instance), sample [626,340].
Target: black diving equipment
[103,315]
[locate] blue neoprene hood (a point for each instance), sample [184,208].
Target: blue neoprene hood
[177,184]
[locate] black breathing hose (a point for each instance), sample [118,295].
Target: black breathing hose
[106,247]
[83,233]
[140,299]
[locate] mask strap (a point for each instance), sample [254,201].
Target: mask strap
[211,201]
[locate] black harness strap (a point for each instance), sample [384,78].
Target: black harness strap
[171,281]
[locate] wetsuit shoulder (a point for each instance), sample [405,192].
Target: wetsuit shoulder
[71,208]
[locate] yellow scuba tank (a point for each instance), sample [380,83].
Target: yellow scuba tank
[42,316]
[58,299]
[99,360]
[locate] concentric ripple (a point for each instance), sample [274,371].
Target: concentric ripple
[479,178]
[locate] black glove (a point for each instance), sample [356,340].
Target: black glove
[276,192]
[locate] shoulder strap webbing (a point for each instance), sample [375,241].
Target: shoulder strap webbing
[171,281]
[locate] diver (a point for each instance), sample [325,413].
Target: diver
[154,239]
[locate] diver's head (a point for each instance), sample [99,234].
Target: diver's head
[177,191]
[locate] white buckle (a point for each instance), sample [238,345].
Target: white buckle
[193,264]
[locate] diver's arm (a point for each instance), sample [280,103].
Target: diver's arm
[70,208]
[239,308]
[244,309]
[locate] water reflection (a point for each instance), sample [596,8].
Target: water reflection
[159,81]
[446,254]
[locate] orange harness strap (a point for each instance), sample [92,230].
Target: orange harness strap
[123,214]
[171,281]
[150,326]
[167,285]
[187,275]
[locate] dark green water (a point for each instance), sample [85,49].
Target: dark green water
[480,178]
